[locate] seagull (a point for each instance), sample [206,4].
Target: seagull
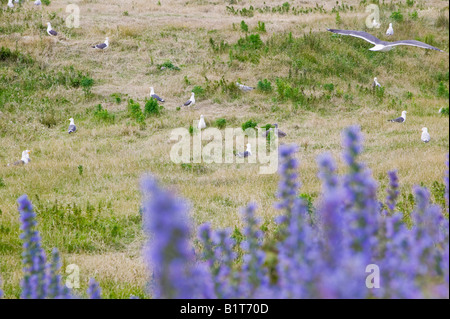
[400,119]
[153,95]
[50,31]
[376,24]
[380,45]
[278,132]
[25,157]
[247,153]
[390,30]
[244,88]
[191,100]
[375,83]
[201,123]
[72,127]
[10,4]
[102,46]
[37,3]
[425,135]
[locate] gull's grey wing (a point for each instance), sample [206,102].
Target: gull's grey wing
[53,32]
[359,34]
[413,43]
[398,120]
[187,103]
[157,97]
[101,46]
[72,128]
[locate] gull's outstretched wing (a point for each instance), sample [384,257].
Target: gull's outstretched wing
[359,34]
[413,43]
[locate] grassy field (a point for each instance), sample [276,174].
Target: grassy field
[85,186]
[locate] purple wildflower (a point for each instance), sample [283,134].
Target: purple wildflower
[93,291]
[169,253]
[392,192]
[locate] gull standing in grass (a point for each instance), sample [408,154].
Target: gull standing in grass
[278,132]
[191,100]
[247,153]
[380,45]
[37,3]
[390,30]
[102,46]
[50,31]
[10,4]
[375,83]
[24,160]
[201,123]
[425,135]
[244,88]
[153,95]
[72,127]
[400,119]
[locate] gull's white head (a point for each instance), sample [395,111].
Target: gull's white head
[107,40]
[404,113]
[192,94]
[424,130]
[249,147]
[390,25]
[26,156]
[201,116]
[71,121]
[49,25]
[152,91]
[375,79]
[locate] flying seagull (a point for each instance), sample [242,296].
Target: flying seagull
[191,100]
[400,119]
[24,160]
[72,127]
[244,88]
[278,132]
[375,83]
[10,4]
[380,45]
[247,153]
[425,135]
[390,30]
[201,123]
[153,95]
[50,31]
[102,46]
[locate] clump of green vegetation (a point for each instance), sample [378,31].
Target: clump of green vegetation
[249,124]
[135,112]
[442,20]
[2,183]
[410,3]
[248,48]
[101,114]
[46,2]
[80,170]
[199,91]
[442,90]
[117,97]
[379,92]
[261,27]
[397,16]
[414,15]
[125,14]
[444,111]
[152,108]
[191,130]
[264,86]
[86,84]
[221,123]
[168,65]
[338,18]
[244,26]
[329,87]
